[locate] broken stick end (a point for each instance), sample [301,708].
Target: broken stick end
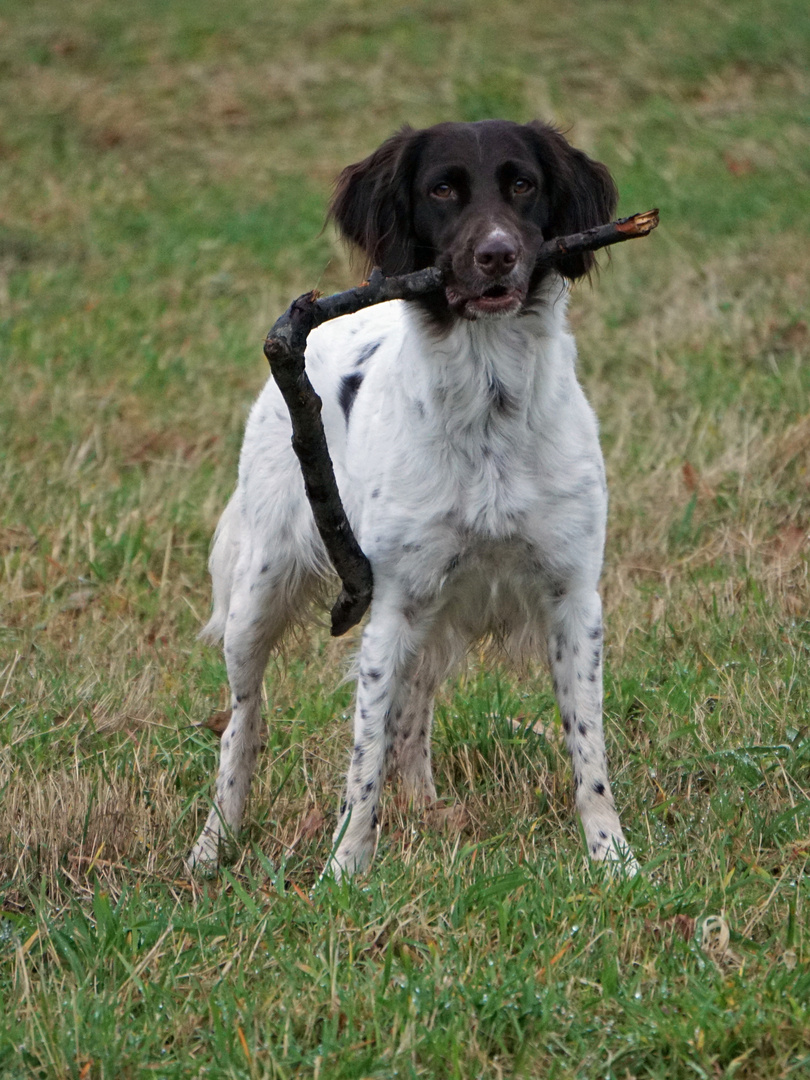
[349,609]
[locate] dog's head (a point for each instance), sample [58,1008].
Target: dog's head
[476,200]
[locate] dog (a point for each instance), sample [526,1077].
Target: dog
[467,458]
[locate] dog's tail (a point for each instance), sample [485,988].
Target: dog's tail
[221,563]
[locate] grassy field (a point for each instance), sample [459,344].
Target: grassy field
[164,170]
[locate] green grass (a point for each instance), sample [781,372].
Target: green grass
[165,170]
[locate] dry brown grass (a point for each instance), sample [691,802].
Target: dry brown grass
[163,188]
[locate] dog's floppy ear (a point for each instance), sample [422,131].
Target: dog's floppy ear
[582,193]
[372,204]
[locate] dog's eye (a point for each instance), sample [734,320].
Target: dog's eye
[443,191]
[522,186]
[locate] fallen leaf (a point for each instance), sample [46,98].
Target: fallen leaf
[311,825]
[690,476]
[796,335]
[453,819]
[789,541]
[714,941]
[681,925]
[738,166]
[694,482]
[216,722]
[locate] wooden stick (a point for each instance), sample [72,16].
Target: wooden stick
[284,348]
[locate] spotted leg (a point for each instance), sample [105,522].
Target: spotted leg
[575,655]
[388,659]
[410,756]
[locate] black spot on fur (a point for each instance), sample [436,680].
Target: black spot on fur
[595,633]
[374,819]
[265,568]
[501,401]
[367,352]
[602,835]
[566,725]
[374,674]
[349,385]
[583,729]
[599,787]
[343,808]
[375,493]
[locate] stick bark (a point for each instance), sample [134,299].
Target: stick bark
[284,348]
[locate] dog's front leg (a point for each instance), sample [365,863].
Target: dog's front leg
[575,656]
[388,654]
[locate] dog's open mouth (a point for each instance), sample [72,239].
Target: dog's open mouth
[496,300]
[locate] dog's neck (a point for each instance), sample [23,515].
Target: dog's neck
[488,370]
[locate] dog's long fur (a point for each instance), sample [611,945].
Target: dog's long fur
[468,461]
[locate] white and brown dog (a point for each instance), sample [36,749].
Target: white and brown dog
[467,459]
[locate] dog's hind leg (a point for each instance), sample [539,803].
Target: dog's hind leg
[266,594]
[410,755]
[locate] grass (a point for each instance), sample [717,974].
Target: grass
[165,170]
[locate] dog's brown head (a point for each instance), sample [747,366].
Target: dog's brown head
[476,200]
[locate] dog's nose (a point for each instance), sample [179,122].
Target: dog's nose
[496,255]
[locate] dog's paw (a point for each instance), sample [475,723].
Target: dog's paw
[207,854]
[614,853]
[351,858]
